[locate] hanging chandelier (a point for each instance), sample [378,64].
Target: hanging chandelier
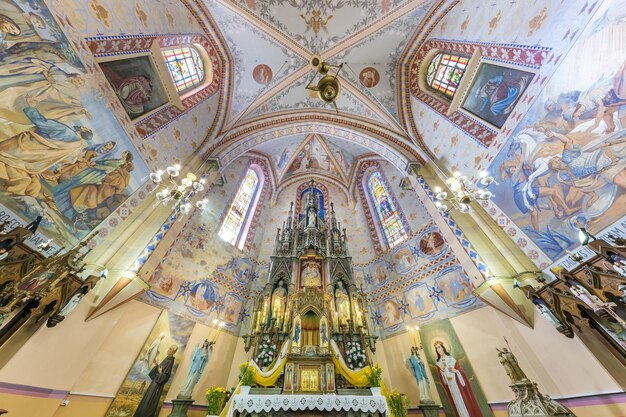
[178,191]
[464,192]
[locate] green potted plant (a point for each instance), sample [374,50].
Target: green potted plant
[215,399]
[373,378]
[246,377]
[398,404]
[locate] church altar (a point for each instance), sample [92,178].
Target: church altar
[271,404]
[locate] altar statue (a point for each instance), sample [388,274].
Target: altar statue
[342,303]
[200,357]
[415,364]
[311,219]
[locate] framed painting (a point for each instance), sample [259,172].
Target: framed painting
[136,84]
[143,380]
[495,91]
[456,383]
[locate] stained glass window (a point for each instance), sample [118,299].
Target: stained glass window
[387,214]
[185,66]
[445,72]
[231,228]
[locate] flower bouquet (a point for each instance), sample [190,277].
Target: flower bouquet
[215,399]
[267,351]
[355,355]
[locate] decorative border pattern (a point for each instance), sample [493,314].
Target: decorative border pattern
[519,55]
[367,209]
[107,46]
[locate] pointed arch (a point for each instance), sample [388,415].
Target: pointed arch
[388,226]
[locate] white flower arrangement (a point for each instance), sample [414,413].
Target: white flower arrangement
[267,351]
[355,355]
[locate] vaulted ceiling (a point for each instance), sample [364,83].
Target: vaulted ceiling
[272,43]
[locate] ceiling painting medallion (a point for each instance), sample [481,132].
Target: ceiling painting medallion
[369,77]
[262,74]
[316,22]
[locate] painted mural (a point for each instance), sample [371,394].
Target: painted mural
[564,166]
[62,152]
[202,277]
[412,284]
[495,91]
[457,385]
[312,155]
[136,84]
[143,379]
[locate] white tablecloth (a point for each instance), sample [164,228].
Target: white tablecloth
[329,402]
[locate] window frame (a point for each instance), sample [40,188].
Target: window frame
[440,55]
[383,228]
[195,56]
[239,238]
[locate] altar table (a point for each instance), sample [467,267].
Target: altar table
[274,404]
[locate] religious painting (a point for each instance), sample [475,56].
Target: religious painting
[232,309]
[313,156]
[330,377]
[456,383]
[432,244]
[379,273]
[201,296]
[369,77]
[289,371]
[297,332]
[136,84]
[64,153]
[455,285]
[419,301]
[495,91]
[324,332]
[403,259]
[165,282]
[145,385]
[564,166]
[262,74]
[311,273]
[391,315]
[36,280]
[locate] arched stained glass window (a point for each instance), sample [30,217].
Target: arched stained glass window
[239,209]
[387,213]
[445,72]
[186,67]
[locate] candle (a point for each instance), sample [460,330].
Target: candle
[213,325]
[219,330]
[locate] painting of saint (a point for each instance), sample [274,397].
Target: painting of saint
[202,296]
[495,92]
[369,77]
[403,259]
[54,122]
[432,243]
[311,275]
[297,331]
[36,281]
[563,167]
[454,378]
[288,385]
[232,308]
[420,303]
[136,84]
[390,312]
[455,285]
[323,332]
[262,74]
[380,274]
[143,391]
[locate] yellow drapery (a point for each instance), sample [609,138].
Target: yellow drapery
[356,377]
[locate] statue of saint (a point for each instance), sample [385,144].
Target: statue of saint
[311,218]
[159,375]
[279,300]
[200,357]
[512,368]
[342,303]
[415,364]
